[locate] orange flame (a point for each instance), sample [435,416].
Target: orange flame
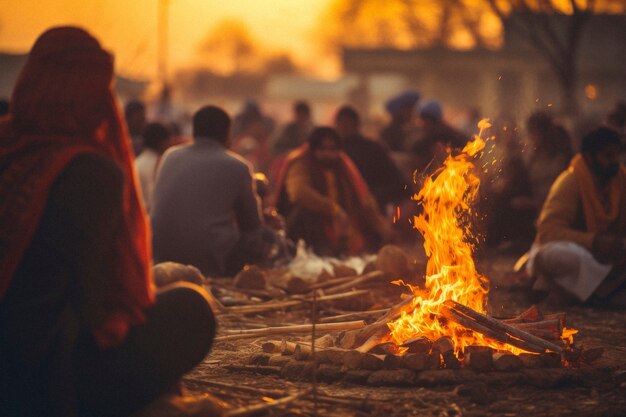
[446,197]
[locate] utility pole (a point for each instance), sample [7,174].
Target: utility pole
[164,106]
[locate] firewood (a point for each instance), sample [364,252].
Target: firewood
[505,361]
[551,360]
[297,370]
[530,315]
[260,369]
[531,360]
[280,305]
[373,362]
[357,376]
[445,346]
[479,360]
[352,359]
[305,328]
[415,361]
[278,360]
[392,361]
[386,348]
[372,276]
[331,355]
[431,378]
[331,282]
[374,340]
[325,341]
[272,346]
[329,372]
[347,339]
[259,359]
[287,348]
[395,377]
[419,344]
[500,336]
[498,326]
[302,352]
[353,316]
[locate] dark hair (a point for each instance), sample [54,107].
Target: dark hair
[598,139]
[154,135]
[320,133]
[132,107]
[349,112]
[301,106]
[212,122]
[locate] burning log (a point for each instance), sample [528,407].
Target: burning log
[445,346]
[419,344]
[510,333]
[471,324]
[304,328]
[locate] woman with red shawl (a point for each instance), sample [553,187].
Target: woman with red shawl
[325,200]
[81,331]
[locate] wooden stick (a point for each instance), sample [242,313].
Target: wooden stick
[363,404]
[256,408]
[284,304]
[353,316]
[370,276]
[471,324]
[374,340]
[332,282]
[498,325]
[304,328]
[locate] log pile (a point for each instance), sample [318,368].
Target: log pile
[363,354]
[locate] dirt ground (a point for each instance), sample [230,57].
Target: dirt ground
[592,390]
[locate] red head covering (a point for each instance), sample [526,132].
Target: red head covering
[62,106]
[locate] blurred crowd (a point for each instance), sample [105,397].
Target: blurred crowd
[90,203]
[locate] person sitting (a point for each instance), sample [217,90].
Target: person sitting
[81,330]
[156,139]
[401,108]
[436,135]
[135,117]
[372,159]
[206,211]
[580,248]
[295,132]
[325,200]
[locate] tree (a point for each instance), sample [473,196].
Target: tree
[554,31]
[408,24]
[230,48]
[554,28]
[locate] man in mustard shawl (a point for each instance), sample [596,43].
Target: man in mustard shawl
[580,249]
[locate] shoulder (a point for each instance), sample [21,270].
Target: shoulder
[237,161]
[94,166]
[88,177]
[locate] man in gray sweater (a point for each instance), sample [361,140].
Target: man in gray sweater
[206,211]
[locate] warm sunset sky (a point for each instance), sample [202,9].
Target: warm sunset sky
[128,27]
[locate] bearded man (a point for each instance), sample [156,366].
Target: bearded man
[580,250]
[325,200]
